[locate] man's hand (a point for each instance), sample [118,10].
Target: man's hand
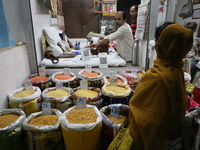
[123,110]
[92,46]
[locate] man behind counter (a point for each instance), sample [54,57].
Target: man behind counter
[123,37]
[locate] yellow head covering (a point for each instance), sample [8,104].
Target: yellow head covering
[158,104]
[174,42]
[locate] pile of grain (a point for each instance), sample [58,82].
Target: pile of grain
[62,77]
[44,120]
[90,74]
[58,93]
[7,119]
[23,93]
[81,116]
[116,89]
[86,93]
[38,78]
[120,120]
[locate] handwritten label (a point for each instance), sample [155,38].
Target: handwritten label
[28,85]
[66,71]
[81,102]
[59,85]
[113,81]
[112,73]
[84,84]
[46,108]
[42,72]
[88,68]
[114,112]
[103,63]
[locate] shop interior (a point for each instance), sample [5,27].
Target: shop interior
[30,28]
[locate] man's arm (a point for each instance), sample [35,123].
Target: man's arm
[95,45]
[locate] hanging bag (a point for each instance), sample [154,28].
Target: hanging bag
[186,10]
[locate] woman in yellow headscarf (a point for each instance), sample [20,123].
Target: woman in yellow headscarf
[158,104]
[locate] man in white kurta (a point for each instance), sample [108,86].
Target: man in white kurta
[123,37]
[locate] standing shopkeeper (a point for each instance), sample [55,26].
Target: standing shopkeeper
[123,37]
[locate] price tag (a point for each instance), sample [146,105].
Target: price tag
[103,63]
[112,73]
[46,108]
[59,85]
[42,72]
[84,84]
[66,71]
[28,85]
[134,71]
[113,81]
[88,68]
[114,112]
[81,102]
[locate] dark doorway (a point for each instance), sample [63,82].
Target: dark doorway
[124,5]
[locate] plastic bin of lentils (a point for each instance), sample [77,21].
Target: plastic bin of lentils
[41,82]
[11,133]
[92,94]
[94,77]
[119,94]
[59,98]
[67,80]
[111,124]
[120,79]
[28,101]
[81,128]
[43,131]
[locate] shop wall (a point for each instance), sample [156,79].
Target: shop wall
[40,19]
[17,62]
[183,21]
[14,70]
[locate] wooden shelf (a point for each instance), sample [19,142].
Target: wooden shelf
[108,7]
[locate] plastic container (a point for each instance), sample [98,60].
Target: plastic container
[60,103]
[11,137]
[114,98]
[29,104]
[81,136]
[120,79]
[92,81]
[41,84]
[72,82]
[110,128]
[42,137]
[89,99]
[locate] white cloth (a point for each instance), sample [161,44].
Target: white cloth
[114,60]
[124,39]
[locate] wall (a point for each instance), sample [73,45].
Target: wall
[183,21]
[14,70]
[40,18]
[17,62]
[10,23]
